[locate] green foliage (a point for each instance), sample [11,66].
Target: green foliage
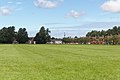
[67,40]
[81,40]
[116,39]
[42,37]
[22,35]
[111,36]
[109,32]
[7,35]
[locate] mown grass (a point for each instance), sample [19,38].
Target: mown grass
[59,62]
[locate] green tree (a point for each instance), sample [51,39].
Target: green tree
[115,39]
[103,33]
[109,32]
[42,37]
[88,34]
[22,35]
[115,30]
[119,29]
[48,37]
[7,35]
[83,40]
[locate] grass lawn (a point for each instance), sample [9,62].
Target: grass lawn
[59,62]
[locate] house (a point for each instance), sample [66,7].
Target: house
[52,41]
[31,40]
[55,41]
[15,42]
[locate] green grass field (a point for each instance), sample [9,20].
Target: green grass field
[59,62]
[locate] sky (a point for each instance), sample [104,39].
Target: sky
[69,17]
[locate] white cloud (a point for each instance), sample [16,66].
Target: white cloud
[75,14]
[18,2]
[4,11]
[10,2]
[47,3]
[111,6]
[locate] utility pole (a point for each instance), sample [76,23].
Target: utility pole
[64,34]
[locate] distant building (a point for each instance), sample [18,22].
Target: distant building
[31,40]
[15,42]
[52,41]
[55,41]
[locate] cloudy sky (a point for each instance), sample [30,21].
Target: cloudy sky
[73,17]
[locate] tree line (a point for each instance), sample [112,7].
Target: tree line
[110,32]
[110,36]
[8,35]
[75,40]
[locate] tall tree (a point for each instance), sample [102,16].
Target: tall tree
[22,35]
[114,30]
[7,35]
[48,37]
[42,37]
[103,33]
